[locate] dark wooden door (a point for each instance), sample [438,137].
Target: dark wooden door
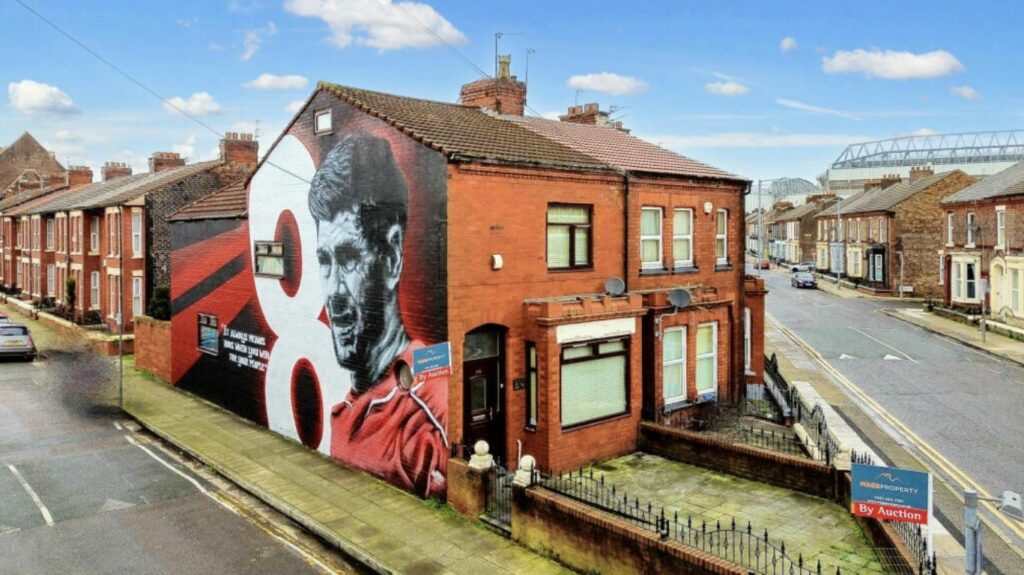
[483,387]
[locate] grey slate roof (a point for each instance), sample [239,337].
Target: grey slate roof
[882,200]
[1009,182]
[120,190]
[799,211]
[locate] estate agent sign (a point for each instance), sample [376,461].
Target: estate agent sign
[891,493]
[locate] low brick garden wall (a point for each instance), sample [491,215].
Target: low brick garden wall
[779,469]
[585,539]
[153,346]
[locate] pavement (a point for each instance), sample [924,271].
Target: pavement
[810,527]
[994,344]
[379,526]
[918,400]
[81,492]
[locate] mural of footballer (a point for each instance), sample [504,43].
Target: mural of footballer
[387,425]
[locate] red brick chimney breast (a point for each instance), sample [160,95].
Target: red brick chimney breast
[161,161]
[111,170]
[79,176]
[239,148]
[503,94]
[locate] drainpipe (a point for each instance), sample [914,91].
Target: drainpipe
[900,253]
[625,229]
[120,307]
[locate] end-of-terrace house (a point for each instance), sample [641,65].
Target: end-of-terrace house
[892,241]
[983,238]
[541,252]
[833,233]
[27,165]
[113,236]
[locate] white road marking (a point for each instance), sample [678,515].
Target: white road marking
[891,357]
[118,426]
[883,343]
[159,460]
[32,493]
[235,510]
[844,356]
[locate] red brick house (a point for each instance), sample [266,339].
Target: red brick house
[982,235]
[379,224]
[113,236]
[26,165]
[892,239]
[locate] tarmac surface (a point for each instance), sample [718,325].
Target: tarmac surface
[81,492]
[955,408]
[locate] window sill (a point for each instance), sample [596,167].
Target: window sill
[675,406]
[593,422]
[682,270]
[723,267]
[576,269]
[530,429]
[654,272]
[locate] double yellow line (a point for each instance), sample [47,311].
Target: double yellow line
[936,459]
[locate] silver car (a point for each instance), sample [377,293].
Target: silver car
[15,341]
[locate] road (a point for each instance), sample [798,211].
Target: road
[84,491]
[963,403]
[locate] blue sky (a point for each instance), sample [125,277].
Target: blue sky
[710,79]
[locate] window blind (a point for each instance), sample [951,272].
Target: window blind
[593,389]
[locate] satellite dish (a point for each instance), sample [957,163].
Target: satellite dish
[679,298]
[614,287]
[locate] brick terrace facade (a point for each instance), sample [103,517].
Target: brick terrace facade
[655,231]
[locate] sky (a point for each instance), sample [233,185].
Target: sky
[762,89]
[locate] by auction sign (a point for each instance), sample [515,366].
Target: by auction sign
[432,362]
[891,493]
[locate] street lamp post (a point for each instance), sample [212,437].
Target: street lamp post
[1009,504]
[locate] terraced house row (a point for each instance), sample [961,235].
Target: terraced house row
[111,237]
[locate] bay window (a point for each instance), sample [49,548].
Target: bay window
[594,381]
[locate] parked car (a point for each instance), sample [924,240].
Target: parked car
[15,341]
[4,319]
[803,279]
[761,264]
[803,267]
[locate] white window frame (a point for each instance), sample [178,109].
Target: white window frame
[1000,228]
[94,234]
[678,237]
[970,230]
[1015,289]
[950,220]
[94,290]
[136,233]
[50,232]
[712,355]
[722,236]
[318,128]
[747,341]
[51,280]
[136,296]
[942,270]
[674,363]
[659,263]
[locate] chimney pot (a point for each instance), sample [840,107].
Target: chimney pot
[111,170]
[503,94]
[239,148]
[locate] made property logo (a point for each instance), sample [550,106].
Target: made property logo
[892,479]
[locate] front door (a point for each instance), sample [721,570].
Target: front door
[482,396]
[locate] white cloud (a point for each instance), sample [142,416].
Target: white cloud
[274,82]
[254,39]
[551,115]
[754,140]
[294,106]
[67,136]
[892,65]
[38,99]
[726,88]
[243,7]
[804,107]
[788,43]
[608,83]
[965,92]
[188,148]
[380,24]
[924,132]
[243,127]
[198,104]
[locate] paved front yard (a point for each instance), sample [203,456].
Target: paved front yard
[817,528]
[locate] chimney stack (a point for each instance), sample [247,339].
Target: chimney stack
[111,170]
[889,179]
[161,161]
[591,114]
[918,172]
[238,148]
[503,94]
[78,176]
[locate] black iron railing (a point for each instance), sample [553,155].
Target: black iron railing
[498,500]
[824,447]
[772,441]
[745,546]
